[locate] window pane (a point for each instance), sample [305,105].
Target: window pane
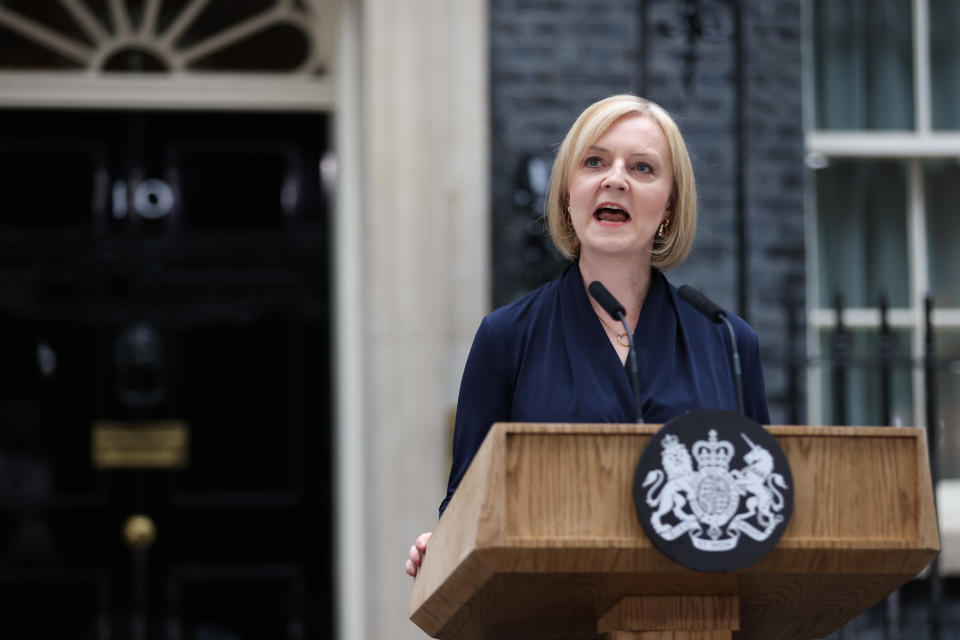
[948,390]
[862,380]
[943,230]
[945,63]
[18,50]
[863,64]
[862,234]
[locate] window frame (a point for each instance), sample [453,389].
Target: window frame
[308,87]
[913,147]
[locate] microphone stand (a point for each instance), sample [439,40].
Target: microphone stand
[737,373]
[634,375]
[610,304]
[714,313]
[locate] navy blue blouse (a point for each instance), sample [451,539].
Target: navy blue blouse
[546,358]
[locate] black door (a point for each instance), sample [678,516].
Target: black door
[164,376]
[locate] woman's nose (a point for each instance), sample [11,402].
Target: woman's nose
[615,178]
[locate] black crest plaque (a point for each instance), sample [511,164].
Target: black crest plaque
[713,490]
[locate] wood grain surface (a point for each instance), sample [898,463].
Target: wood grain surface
[668,635]
[542,537]
[689,613]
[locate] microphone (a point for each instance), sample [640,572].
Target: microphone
[716,314]
[612,306]
[701,303]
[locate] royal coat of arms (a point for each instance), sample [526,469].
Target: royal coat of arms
[713,504]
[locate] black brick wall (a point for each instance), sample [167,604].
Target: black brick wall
[551,58]
[774,180]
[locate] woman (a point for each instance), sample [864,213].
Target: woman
[622,206]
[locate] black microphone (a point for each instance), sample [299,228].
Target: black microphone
[716,314]
[701,303]
[612,306]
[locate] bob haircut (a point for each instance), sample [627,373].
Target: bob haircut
[589,127]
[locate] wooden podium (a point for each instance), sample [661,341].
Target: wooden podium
[542,541]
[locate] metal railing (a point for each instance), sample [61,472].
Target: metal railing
[838,363]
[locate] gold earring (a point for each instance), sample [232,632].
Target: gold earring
[662,231]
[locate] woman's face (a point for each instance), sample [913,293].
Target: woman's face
[620,188]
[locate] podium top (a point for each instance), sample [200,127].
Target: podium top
[542,533]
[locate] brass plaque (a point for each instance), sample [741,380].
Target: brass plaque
[159,444]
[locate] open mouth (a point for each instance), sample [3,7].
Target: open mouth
[610,213]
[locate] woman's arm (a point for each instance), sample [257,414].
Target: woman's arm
[485,397]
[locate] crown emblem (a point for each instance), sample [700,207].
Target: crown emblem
[711,454]
[670,442]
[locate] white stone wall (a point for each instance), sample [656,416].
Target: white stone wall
[412,262]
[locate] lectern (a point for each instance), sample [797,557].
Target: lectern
[542,541]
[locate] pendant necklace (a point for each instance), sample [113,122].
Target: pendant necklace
[621,335]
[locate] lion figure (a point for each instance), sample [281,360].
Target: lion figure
[679,475]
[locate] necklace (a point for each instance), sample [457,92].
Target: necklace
[621,336]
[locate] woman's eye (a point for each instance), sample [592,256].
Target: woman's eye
[592,161]
[643,167]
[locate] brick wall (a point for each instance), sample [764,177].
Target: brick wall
[774,178]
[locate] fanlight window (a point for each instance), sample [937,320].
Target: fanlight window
[172,41]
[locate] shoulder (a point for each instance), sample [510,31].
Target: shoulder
[506,334]
[516,317]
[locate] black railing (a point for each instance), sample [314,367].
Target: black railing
[839,362]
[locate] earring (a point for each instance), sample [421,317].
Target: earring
[662,231]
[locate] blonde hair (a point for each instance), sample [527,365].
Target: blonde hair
[589,127]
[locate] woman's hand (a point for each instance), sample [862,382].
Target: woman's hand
[417,551]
